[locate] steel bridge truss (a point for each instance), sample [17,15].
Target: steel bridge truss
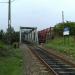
[28,34]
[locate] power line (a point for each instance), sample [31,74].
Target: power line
[7,2]
[3,2]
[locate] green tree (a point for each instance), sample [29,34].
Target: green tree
[58,29]
[1,34]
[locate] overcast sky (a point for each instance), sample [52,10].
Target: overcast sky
[37,13]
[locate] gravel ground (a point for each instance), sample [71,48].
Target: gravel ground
[31,65]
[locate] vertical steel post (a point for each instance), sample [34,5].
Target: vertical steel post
[9,22]
[62,17]
[9,14]
[36,36]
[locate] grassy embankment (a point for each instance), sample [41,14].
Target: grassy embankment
[67,47]
[10,60]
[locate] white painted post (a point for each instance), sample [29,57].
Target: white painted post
[36,36]
[28,36]
[32,35]
[25,36]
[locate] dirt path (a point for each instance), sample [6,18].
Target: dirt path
[31,65]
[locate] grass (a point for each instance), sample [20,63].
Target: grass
[58,44]
[12,63]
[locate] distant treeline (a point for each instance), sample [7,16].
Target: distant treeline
[10,36]
[58,29]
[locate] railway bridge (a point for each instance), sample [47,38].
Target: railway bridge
[54,62]
[29,34]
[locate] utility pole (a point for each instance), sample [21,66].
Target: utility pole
[9,14]
[9,22]
[62,17]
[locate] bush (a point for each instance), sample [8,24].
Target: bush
[16,45]
[5,51]
[58,29]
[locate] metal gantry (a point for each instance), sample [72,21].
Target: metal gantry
[9,11]
[28,34]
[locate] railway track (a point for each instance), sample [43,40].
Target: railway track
[56,65]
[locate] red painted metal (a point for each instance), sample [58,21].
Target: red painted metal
[42,35]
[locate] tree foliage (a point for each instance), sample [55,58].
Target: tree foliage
[58,29]
[1,34]
[10,36]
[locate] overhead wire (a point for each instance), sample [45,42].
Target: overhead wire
[3,2]
[7,2]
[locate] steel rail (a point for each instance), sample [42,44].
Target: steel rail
[56,67]
[60,57]
[36,54]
